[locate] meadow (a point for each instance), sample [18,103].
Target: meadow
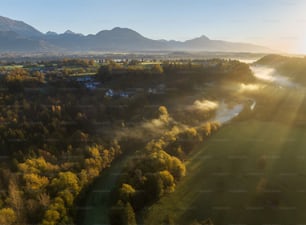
[250,172]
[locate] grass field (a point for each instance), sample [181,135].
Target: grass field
[11,67]
[248,173]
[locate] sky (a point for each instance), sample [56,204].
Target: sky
[278,24]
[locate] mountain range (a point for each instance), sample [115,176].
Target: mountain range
[17,36]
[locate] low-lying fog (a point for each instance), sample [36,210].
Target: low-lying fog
[270,75]
[223,111]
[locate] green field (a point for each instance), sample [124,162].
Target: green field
[11,67]
[248,173]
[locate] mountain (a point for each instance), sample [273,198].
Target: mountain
[205,44]
[10,41]
[19,36]
[19,27]
[122,39]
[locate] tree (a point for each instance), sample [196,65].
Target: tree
[40,76]
[129,214]
[43,199]
[155,145]
[126,192]
[38,166]
[104,73]
[15,199]
[35,182]
[160,161]
[206,128]
[163,110]
[168,220]
[7,216]
[66,180]
[56,213]
[177,168]
[67,196]
[168,181]
[163,114]
[51,217]
[122,214]
[156,161]
[17,74]
[157,68]
[154,187]
[134,62]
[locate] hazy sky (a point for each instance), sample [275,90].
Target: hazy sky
[279,24]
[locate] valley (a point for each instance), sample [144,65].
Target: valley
[131,112]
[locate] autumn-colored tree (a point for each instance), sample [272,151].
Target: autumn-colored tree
[155,145]
[157,68]
[66,180]
[51,217]
[177,168]
[7,216]
[40,76]
[38,166]
[35,182]
[15,199]
[164,115]
[17,74]
[126,192]
[168,181]
[56,213]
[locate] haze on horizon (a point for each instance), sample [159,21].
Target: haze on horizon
[277,24]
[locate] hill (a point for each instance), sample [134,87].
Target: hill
[292,67]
